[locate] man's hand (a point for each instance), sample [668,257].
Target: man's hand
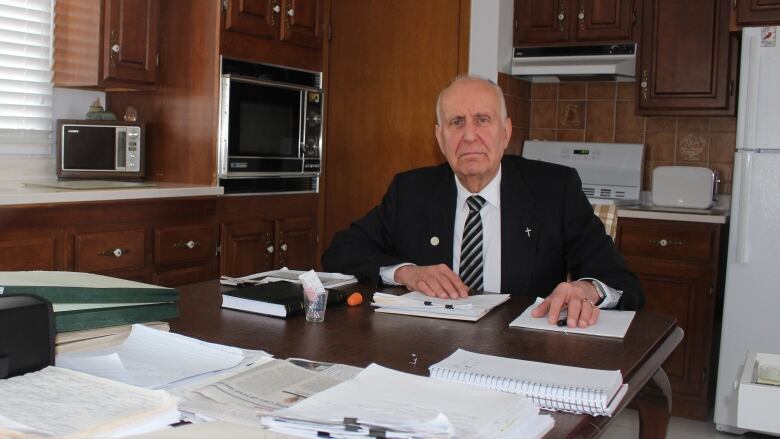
[432,280]
[578,297]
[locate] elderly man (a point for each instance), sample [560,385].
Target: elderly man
[488,222]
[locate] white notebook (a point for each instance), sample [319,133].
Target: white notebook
[550,386]
[611,322]
[471,308]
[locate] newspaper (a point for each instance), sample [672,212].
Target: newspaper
[258,390]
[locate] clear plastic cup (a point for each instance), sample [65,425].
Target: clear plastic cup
[315,304]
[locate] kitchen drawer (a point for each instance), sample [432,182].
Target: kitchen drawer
[103,251]
[184,243]
[670,241]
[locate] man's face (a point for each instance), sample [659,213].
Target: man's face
[471,133]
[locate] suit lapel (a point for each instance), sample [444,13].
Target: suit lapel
[519,231]
[440,216]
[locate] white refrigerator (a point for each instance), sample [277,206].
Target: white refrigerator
[751,308]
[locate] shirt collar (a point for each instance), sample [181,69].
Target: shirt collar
[491,193]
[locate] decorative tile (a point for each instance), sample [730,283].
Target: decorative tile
[571,115]
[600,115]
[602,91]
[693,146]
[629,137]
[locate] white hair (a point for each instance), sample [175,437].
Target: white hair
[466,77]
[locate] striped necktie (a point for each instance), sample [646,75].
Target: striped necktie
[471,246]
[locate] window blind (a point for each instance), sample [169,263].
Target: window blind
[25,77]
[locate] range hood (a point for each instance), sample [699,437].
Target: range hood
[573,63]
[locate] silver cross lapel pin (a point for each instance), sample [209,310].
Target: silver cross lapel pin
[527,231]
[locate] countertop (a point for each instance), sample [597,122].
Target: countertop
[18,192]
[717,214]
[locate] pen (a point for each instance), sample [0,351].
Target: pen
[562,318]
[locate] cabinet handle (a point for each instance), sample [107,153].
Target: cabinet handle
[283,247]
[276,9]
[581,17]
[114,41]
[643,84]
[665,242]
[290,13]
[561,19]
[189,244]
[269,249]
[117,252]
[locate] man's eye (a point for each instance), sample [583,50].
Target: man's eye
[456,122]
[482,120]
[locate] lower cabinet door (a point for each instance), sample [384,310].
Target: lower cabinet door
[247,247]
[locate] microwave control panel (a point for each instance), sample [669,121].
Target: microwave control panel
[312,131]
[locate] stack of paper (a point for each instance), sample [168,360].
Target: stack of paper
[60,402]
[611,323]
[383,401]
[97,338]
[470,308]
[153,359]
[329,280]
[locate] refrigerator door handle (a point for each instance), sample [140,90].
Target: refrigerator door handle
[748,106]
[744,207]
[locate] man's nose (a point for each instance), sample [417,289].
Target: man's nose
[469,131]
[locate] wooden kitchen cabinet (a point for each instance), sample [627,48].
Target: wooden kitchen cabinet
[106,44]
[289,32]
[266,232]
[573,21]
[164,241]
[678,265]
[688,60]
[756,12]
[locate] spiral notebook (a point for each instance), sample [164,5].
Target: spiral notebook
[550,386]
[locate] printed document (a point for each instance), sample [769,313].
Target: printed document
[329,280]
[60,402]
[411,405]
[611,323]
[263,388]
[153,358]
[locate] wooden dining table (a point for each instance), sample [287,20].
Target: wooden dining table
[359,336]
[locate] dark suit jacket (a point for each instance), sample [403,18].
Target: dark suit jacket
[566,237]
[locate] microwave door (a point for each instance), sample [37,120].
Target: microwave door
[91,149]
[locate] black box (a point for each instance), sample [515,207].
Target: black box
[26,334]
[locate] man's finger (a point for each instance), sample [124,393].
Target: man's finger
[542,309]
[586,311]
[458,287]
[556,305]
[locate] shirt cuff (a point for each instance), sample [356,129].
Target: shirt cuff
[613,295]
[388,273]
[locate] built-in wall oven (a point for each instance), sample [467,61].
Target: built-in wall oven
[270,128]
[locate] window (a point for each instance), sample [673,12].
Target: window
[25,77]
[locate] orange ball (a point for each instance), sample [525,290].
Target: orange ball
[355,299]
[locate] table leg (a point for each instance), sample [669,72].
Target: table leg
[654,404]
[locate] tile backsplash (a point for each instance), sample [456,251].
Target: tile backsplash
[604,112]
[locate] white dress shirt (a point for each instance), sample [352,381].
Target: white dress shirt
[491,241]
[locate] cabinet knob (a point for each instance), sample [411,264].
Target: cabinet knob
[290,12]
[283,247]
[666,242]
[277,8]
[561,16]
[115,48]
[269,249]
[117,252]
[189,244]
[581,15]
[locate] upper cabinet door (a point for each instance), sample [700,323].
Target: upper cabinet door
[603,20]
[687,59]
[541,21]
[259,18]
[130,40]
[301,22]
[758,12]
